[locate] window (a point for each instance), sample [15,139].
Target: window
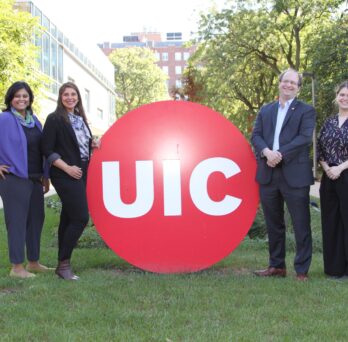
[178,56]
[186,56]
[178,83]
[157,56]
[60,37]
[54,60]
[60,64]
[112,107]
[46,23]
[46,53]
[178,70]
[87,100]
[100,113]
[164,56]
[174,36]
[37,13]
[38,43]
[54,30]
[165,69]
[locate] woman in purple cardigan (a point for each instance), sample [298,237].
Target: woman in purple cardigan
[22,184]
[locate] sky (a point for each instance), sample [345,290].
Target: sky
[109,20]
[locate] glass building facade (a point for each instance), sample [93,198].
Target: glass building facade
[54,50]
[51,43]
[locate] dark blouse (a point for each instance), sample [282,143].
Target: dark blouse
[35,162]
[333,142]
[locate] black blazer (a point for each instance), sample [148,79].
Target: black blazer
[294,142]
[59,141]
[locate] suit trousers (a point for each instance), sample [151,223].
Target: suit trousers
[23,202]
[334,219]
[273,196]
[74,215]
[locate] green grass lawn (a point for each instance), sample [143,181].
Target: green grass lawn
[114,301]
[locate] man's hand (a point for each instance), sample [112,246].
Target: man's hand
[3,171]
[273,157]
[271,164]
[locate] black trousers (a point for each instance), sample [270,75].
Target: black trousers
[273,196]
[334,220]
[74,215]
[23,202]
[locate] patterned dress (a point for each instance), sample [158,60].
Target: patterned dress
[333,142]
[333,149]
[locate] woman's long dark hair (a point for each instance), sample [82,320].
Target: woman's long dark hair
[11,92]
[78,110]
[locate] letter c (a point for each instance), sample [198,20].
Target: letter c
[199,186]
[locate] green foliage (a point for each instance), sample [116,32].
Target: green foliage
[54,203]
[89,239]
[17,51]
[243,49]
[138,79]
[328,57]
[258,230]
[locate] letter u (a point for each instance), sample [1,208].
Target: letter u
[112,189]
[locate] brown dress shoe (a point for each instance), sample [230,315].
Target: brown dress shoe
[302,276]
[64,271]
[271,272]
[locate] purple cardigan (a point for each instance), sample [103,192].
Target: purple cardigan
[13,145]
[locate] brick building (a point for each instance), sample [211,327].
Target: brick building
[171,54]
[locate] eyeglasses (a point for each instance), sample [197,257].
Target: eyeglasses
[293,83]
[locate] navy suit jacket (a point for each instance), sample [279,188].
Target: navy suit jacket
[294,142]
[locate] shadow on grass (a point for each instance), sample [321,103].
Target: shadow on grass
[215,270]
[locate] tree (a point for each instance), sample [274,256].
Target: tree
[17,52]
[328,60]
[244,48]
[138,79]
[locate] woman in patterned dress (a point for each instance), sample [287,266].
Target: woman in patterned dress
[333,157]
[67,144]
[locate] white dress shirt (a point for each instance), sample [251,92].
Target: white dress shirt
[280,120]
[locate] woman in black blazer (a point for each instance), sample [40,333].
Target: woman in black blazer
[67,144]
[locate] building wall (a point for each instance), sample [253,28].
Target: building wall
[145,36]
[176,63]
[62,60]
[97,100]
[172,56]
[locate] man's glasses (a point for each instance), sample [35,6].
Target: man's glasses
[293,83]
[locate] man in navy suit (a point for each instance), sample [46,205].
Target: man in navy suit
[282,138]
